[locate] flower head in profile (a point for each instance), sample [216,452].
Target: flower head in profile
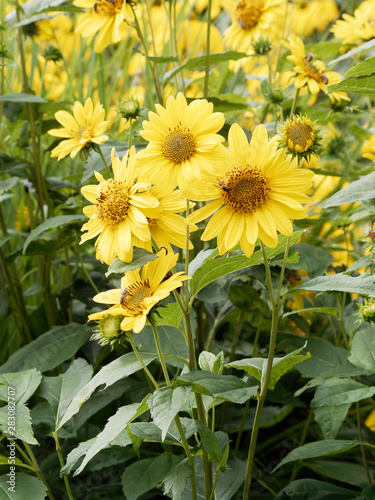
[120,209]
[252,19]
[182,142]
[255,192]
[85,127]
[106,18]
[309,72]
[360,27]
[300,137]
[140,292]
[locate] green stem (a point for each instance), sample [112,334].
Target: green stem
[276,305]
[99,150]
[85,270]
[301,442]
[38,471]
[160,352]
[130,133]
[69,281]
[207,75]
[136,352]
[61,460]
[364,459]
[294,104]
[242,425]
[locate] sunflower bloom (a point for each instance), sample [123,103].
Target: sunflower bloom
[360,27]
[252,19]
[255,192]
[86,126]
[312,15]
[300,137]
[166,226]
[120,208]
[105,17]
[311,73]
[182,142]
[139,293]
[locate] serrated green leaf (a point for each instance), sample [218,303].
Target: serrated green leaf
[360,190]
[59,391]
[312,489]
[225,387]
[364,68]
[140,258]
[49,350]
[312,259]
[175,481]
[52,223]
[26,486]
[22,97]
[364,284]
[215,267]
[330,418]
[339,391]
[146,474]
[317,449]
[358,80]
[115,425]
[111,373]
[22,385]
[210,442]
[256,367]
[362,351]
[165,403]
[171,315]
[23,428]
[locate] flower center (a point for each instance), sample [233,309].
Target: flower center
[245,189]
[312,72]
[113,202]
[247,13]
[108,8]
[179,145]
[84,134]
[132,298]
[299,134]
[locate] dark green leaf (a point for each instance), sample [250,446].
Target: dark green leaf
[52,223]
[362,352]
[364,284]
[22,97]
[140,258]
[330,418]
[360,190]
[175,481]
[339,470]
[26,486]
[49,350]
[312,259]
[171,315]
[22,385]
[23,428]
[210,442]
[339,391]
[146,474]
[8,184]
[312,489]
[317,449]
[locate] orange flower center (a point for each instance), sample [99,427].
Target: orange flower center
[245,189]
[132,298]
[113,202]
[248,12]
[108,8]
[179,145]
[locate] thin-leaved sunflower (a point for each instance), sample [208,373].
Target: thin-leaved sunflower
[140,292]
[256,192]
[182,142]
[119,211]
[300,137]
[86,126]
[252,19]
[310,72]
[105,17]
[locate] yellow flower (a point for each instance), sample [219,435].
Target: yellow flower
[311,15]
[300,137]
[368,148]
[358,27]
[165,225]
[258,189]
[183,142]
[105,17]
[139,293]
[85,127]
[120,209]
[309,72]
[252,19]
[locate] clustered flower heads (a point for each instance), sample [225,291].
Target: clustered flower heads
[254,191]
